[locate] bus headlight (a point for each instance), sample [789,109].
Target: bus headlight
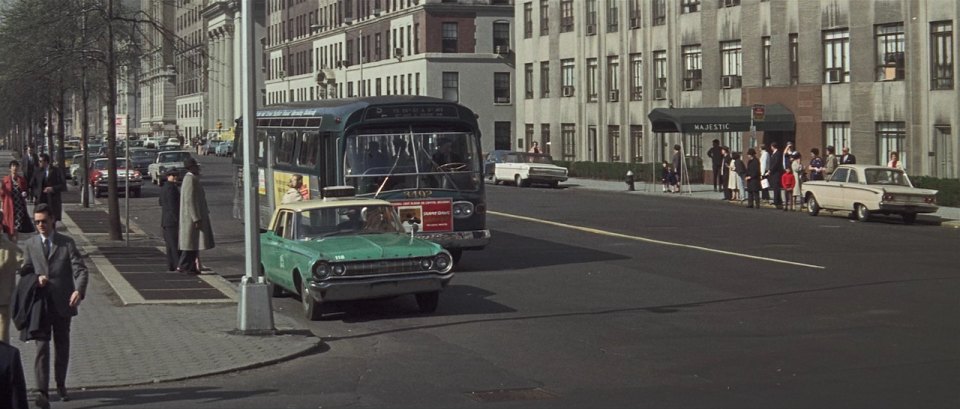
[462,210]
[321,269]
[443,262]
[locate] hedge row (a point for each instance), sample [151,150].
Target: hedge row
[618,170]
[948,189]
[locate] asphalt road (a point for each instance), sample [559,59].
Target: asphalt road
[600,299]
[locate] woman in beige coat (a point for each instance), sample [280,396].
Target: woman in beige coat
[196,232]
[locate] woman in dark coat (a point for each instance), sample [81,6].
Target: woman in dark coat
[752,177]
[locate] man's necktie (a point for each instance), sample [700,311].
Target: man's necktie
[46,248]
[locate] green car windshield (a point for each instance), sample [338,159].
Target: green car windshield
[347,220]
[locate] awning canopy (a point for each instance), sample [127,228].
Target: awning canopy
[726,119]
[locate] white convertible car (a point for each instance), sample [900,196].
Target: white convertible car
[524,169]
[867,190]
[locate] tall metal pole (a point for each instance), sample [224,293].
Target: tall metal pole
[254,311]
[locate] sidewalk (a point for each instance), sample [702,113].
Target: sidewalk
[947,216]
[115,344]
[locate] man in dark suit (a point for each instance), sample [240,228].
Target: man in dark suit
[170,218]
[847,158]
[29,162]
[59,270]
[47,185]
[13,388]
[774,172]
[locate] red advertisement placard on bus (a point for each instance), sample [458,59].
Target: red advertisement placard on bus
[435,215]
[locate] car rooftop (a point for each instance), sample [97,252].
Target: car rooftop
[320,203]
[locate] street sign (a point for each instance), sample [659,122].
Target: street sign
[121,122]
[758,112]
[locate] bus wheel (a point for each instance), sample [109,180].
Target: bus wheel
[456,254]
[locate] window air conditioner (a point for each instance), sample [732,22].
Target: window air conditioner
[730,81]
[398,52]
[501,49]
[660,93]
[591,29]
[834,76]
[377,11]
[689,84]
[638,94]
[348,20]
[634,22]
[502,100]
[614,95]
[568,90]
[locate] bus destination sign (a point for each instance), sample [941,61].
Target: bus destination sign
[410,111]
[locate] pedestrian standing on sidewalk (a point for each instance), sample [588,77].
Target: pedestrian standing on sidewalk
[725,172]
[677,166]
[752,177]
[10,259]
[170,218]
[13,195]
[53,260]
[716,156]
[47,185]
[787,182]
[735,177]
[29,161]
[796,165]
[13,387]
[816,165]
[774,173]
[832,162]
[196,232]
[764,166]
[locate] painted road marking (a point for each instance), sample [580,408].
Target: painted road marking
[649,240]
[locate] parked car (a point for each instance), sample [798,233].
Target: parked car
[151,142]
[869,189]
[523,169]
[98,177]
[164,161]
[209,147]
[142,158]
[225,148]
[349,249]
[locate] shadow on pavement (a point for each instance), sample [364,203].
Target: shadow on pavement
[177,397]
[454,300]
[516,252]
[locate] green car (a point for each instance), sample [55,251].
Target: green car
[350,249]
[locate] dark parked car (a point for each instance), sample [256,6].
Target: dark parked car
[142,158]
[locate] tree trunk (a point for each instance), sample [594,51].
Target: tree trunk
[113,200]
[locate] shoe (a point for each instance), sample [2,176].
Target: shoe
[62,391]
[205,268]
[42,401]
[749,207]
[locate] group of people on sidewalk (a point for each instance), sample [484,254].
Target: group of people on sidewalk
[185,219]
[773,174]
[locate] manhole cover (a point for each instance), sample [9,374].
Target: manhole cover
[506,395]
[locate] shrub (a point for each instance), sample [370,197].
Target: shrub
[948,190]
[618,170]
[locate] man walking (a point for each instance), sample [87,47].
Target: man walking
[716,156]
[54,261]
[196,232]
[29,162]
[170,218]
[47,185]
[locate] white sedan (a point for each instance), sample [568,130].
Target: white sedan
[524,169]
[867,190]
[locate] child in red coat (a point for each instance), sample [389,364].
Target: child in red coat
[787,182]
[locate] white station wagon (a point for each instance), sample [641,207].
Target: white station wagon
[867,190]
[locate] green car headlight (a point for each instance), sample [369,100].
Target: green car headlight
[339,269]
[443,261]
[426,263]
[321,269]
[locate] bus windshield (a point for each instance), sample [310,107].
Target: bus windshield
[384,162]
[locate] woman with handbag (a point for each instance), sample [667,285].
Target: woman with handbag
[13,196]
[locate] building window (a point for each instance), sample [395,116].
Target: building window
[941,55]
[544,17]
[451,86]
[450,36]
[501,87]
[660,74]
[613,133]
[568,134]
[659,12]
[528,80]
[591,79]
[890,137]
[729,3]
[545,138]
[794,52]
[635,14]
[591,17]
[566,16]
[527,20]
[501,135]
[837,134]
[692,145]
[501,35]
[613,78]
[692,72]
[836,56]
[636,142]
[766,61]
[613,17]
[689,6]
[545,79]
[731,56]
[732,140]
[566,73]
[890,63]
[636,77]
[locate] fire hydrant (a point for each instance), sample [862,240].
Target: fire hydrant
[629,180]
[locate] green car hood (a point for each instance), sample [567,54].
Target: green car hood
[373,247]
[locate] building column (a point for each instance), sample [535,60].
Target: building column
[229,83]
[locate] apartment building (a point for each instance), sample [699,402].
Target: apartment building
[875,76]
[459,50]
[190,60]
[158,74]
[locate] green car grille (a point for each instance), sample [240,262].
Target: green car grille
[365,268]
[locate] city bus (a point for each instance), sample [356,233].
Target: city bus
[420,153]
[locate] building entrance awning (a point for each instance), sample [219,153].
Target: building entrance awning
[725,119]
